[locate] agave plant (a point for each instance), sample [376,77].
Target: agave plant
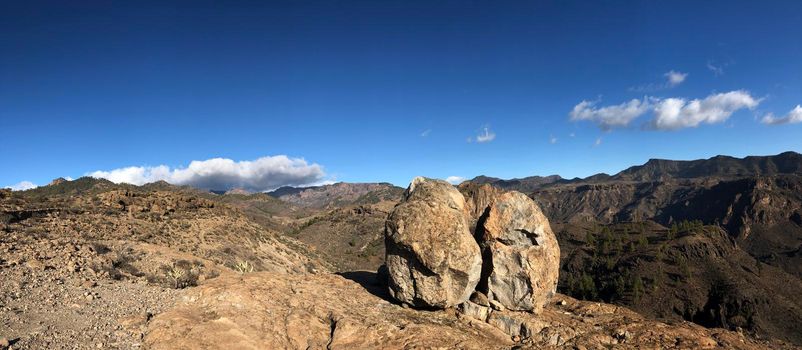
[243,267]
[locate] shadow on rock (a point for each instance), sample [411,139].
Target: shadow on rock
[370,281]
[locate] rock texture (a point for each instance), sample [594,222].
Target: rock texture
[522,257]
[280,311]
[432,257]
[277,311]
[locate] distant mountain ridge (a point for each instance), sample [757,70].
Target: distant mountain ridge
[719,166]
[663,169]
[338,194]
[526,184]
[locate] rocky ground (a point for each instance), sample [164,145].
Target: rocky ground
[88,264]
[354,311]
[51,299]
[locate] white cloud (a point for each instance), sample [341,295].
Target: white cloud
[611,116]
[675,78]
[669,113]
[598,142]
[262,174]
[552,139]
[676,113]
[485,136]
[22,186]
[717,69]
[426,133]
[794,116]
[455,180]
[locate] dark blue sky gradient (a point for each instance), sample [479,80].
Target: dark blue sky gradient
[351,85]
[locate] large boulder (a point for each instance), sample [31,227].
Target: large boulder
[432,258]
[522,257]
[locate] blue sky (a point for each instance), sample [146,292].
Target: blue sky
[368,91]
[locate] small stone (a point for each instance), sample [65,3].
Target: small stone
[89,284]
[136,320]
[35,265]
[496,305]
[562,302]
[622,335]
[474,310]
[479,298]
[4,343]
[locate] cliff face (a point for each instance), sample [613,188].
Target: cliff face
[688,271]
[763,214]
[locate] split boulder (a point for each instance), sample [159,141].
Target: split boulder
[522,257]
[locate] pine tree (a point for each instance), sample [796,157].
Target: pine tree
[637,288]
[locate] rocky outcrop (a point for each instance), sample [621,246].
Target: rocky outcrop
[277,311]
[240,191]
[57,181]
[432,258]
[281,311]
[521,253]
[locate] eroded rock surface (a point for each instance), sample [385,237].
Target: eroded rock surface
[432,257]
[521,253]
[278,311]
[281,311]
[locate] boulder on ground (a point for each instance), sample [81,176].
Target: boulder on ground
[522,257]
[432,258]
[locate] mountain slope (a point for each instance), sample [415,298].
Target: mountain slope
[339,194]
[182,219]
[524,185]
[719,166]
